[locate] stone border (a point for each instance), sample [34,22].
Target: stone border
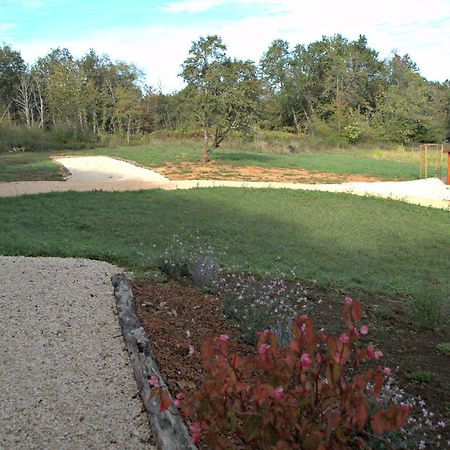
[169,430]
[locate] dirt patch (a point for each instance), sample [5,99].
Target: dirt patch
[215,171]
[176,314]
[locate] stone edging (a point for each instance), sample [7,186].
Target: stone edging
[169,430]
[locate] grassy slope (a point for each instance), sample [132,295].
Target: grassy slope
[387,165]
[379,245]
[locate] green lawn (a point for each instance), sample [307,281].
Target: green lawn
[402,165]
[378,245]
[342,162]
[28,167]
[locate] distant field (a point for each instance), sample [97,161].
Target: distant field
[374,244]
[383,164]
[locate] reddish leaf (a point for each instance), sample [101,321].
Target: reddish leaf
[165,401]
[356,311]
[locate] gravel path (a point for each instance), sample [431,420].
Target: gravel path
[90,173]
[65,377]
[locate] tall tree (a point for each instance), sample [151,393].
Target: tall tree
[12,67]
[224,92]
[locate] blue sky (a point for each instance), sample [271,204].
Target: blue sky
[156,34]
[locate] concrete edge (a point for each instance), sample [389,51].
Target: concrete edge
[169,430]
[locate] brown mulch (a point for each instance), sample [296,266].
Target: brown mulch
[214,171]
[177,313]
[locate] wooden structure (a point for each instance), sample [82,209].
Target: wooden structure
[431,160]
[448,166]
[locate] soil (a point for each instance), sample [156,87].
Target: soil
[214,171]
[177,313]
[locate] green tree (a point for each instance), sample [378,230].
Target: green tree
[410,108]
[223,92]
[12,68]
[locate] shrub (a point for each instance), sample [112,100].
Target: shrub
[421,376]
[444,347]
[193,260]
[313,394]
[427,306]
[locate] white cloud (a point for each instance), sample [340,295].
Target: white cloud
[388,25]
[198,6]
[7,26]
[194,6]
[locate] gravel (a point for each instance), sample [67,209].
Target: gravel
[66,381]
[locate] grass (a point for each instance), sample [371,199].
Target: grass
[421,376]
[444,347]
[383,164]
[377,245]
[28,167]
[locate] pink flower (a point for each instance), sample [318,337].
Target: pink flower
[338,358]
[387,371]
[224,338]
[154,380]
[278,393]
[180,396]
[378,354]
[343,338]
[196,432]
[305,360]
[263,351]
[177,403]
[364,329]
[191,350]
[318,358]
[348,300]
[370,351]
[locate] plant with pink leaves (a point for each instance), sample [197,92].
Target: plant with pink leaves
[312,394]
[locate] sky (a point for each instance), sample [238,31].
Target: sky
[156,35]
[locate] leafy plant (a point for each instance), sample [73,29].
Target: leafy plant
[444,347]
[421,376]
[312,394]
[427,306]
[193,260]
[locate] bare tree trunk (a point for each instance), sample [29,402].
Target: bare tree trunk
[5,112]
[24,97]
[205,149]
[128,129]
[40,105]
[297,126]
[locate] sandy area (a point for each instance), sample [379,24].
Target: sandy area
[66,381]
[108,174]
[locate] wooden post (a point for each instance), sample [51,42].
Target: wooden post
[448,166]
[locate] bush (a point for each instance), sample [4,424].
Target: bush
[36,139]
[427,307]
[313,394]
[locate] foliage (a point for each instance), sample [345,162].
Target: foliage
[257,303]
[192,260]
[223,92]
[421,376]
[312,394]
[333,92]
[444,347]
[427,306]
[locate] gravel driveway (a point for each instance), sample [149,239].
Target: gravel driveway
[65,377]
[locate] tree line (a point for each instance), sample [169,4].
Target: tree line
[334,88]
